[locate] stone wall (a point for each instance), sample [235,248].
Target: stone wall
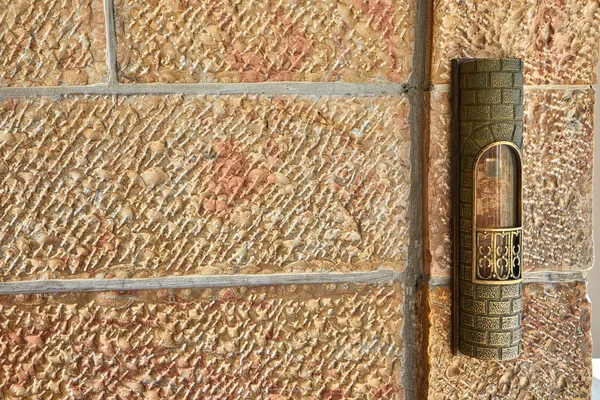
[251,199]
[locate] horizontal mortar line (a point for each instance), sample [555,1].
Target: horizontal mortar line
[266,88]
[196,282]
[555,276]
[446,87]
[558,87]
[528,277]
[440,281]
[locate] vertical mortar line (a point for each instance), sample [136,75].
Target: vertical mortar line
[415,251]
[111,41]
[416,97]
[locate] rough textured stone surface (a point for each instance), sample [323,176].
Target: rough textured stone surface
[558,40]
[156,186]
[52,42]
[557,181]
[558,152]
[438,212]
[557,351]
[310,342]
[251,41]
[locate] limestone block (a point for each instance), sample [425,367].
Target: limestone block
[51,43]
[558,150]
[311,342]
[92,187]
[254,41]
[557,40]
[438,213]
[556,362]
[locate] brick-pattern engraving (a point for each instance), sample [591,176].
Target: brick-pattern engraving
[155,186]
[557,40]
[250,41]
[308,342]
[557,185]
[493,318]
[50,43]
[556,360]
[485,119]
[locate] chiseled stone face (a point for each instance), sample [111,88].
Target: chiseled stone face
[556,361]
[52,43]
[318,341]
[557,181]
[252,41]
[439,182]
[558,153]
[157,186]
[557,40]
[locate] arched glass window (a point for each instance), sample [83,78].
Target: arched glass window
[498,213]
[497,188]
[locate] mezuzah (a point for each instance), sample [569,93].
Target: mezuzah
[488,132]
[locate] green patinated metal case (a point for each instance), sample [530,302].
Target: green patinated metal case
[487,128]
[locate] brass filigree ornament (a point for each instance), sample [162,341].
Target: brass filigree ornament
[488,243]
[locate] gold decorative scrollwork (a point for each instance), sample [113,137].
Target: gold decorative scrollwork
[498,256]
